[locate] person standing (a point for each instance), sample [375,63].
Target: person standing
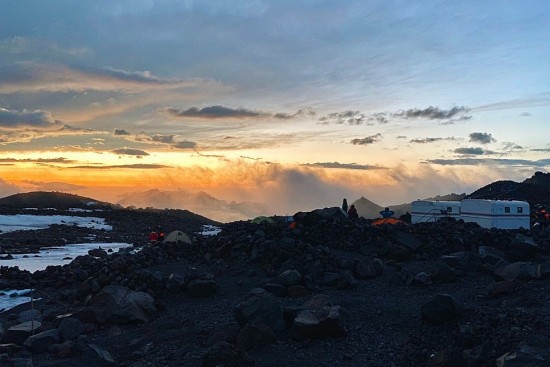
[345,205]
[352,212]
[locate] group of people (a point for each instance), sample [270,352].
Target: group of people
[542,218]
[352,211]
[156,235]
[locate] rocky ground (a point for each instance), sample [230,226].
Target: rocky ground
[330,292]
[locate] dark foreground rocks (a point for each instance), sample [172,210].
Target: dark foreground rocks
[328,292]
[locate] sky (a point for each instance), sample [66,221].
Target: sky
[296,104]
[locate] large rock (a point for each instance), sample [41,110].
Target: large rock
[70,328]
[227,355]
[19,333]
[464,260]
[319,323]
[407,240]
[119,304]
[441,308]
[525,356]
[519,271]
[522,248]
[288,278]
[262,309]
[255,335]
[368,269]
[39,343]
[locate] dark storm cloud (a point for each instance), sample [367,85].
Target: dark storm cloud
[429,140]
[432,113]
[120,132]
[128,166]
[348,117]
[482,138]
[355,166]
[16,119]
[368,140]
[185,144]
[488,162]
[216,112]
[130,151]
[470,151]
[165,139]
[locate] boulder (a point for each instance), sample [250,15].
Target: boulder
[261,309]
[288,278]
[525,355]
[118,304]
[19,333]
[39,343]
[519,271]
[70,328]
[320,323]
[441,308]
[407,240]
[464,260]
[522,248]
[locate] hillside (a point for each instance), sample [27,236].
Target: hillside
[58,200]
[535,190]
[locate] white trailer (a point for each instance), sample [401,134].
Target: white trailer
[503,214]
[433,211]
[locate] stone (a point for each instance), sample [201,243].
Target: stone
[19,333]
[441,308]
[202,288]
[288,278]
[41,342]
[262,309]
[70,328]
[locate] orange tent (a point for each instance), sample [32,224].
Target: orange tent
[391,221]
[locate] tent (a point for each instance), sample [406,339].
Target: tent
[392,221]
[262,219]
[177,236]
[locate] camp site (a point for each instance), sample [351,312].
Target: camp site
[432,211]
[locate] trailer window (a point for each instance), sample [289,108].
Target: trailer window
[520,209]
[506,209]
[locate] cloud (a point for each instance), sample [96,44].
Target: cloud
[120,132]
[482,138]
[490,161]
[511,146]
[431,113]
[7,188]
[130,151]
[469,151]
[429,140]
[454,120]
[216,112]
[309,112]
[123,166]
[540,150]
[164,139]
[348,117]
[353,166]
[368,140]
[55,186]
[525,114]
[35,77]
[12,119]
[37,160]
[185,144]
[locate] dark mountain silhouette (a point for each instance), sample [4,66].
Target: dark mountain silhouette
[366,208]
[535,190]
[44,199]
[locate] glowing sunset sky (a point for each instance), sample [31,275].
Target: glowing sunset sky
[297,103]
